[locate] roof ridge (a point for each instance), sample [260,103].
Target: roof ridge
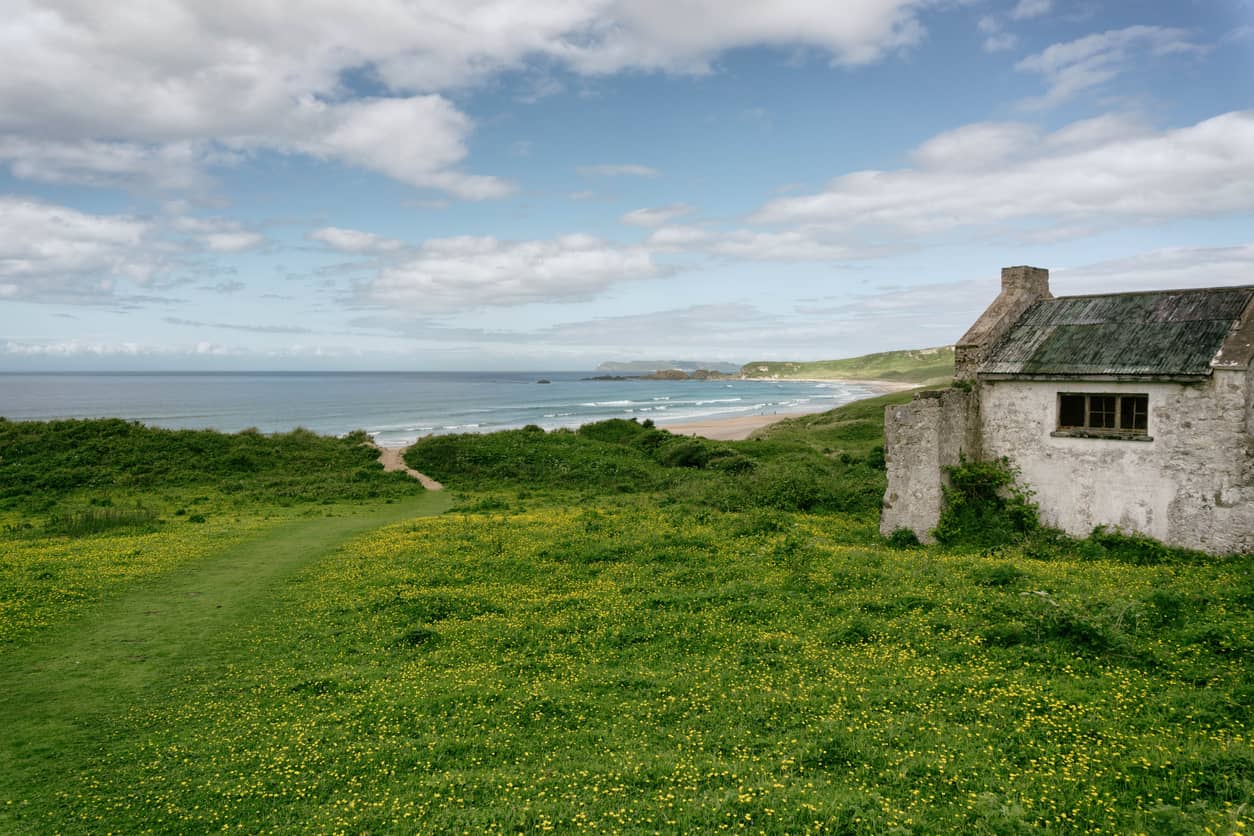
[1246,287]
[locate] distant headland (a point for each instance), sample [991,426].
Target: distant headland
[921,366]
[652,366]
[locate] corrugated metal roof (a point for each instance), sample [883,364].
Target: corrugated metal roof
[1170,332]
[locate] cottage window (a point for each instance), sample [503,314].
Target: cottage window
[1103,415]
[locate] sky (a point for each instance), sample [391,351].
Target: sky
[548,184]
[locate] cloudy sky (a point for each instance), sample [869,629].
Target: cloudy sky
[545,184]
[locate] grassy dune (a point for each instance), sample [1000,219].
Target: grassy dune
[924,366]
[619,631]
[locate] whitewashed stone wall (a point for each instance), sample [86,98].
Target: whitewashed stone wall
[1191,486]
[921,439]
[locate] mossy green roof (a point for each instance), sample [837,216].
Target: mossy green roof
[1152,334]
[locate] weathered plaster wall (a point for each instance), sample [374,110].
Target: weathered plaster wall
[1191,486]
[921,438]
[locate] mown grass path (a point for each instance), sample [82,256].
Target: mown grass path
[68,690]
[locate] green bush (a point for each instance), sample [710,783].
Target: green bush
[984,506]
[685,453]
[998,574]
[903,538]
[613,431]
[1138,549]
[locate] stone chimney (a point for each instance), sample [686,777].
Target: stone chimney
[1021,287]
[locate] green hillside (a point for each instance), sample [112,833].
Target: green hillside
[921,365]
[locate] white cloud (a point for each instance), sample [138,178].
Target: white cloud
[100,93]
[1103,172]
[54,253]
[472,272]
[1001,42]
[977,146]
[1025,9]
[234,242]
[656,216]
[804,244]
[618,170]
[71,348]
[1096,132]
[173,166]
[693,325]
[1162,269]
[683,236]
[417,140]
[219,235]
[354,241]
[684,35]
[1075,66]
[233,326]
[996,39]
[855,322]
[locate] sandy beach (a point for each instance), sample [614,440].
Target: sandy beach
[727,429]
[742,426]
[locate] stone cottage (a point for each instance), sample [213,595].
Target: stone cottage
[1128,410]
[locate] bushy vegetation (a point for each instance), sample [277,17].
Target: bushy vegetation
[626,457]
[43,462]
[985,506]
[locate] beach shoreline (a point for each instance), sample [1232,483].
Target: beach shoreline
[740,427]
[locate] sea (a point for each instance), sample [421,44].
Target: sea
[396,408]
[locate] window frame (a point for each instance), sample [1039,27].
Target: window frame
[1110,410]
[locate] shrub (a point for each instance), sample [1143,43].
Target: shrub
[686,453]
[612,431]
[729,461]
[903,538]
[1137,549]
[984,506]
[998,574]
[875,458]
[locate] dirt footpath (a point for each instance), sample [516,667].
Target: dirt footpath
[392,458]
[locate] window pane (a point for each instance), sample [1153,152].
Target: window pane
[1102,412]
[1134,413]
[1071,410]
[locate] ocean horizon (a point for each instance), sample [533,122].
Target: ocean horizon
[396,408]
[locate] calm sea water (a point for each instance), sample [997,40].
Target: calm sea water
[398,407]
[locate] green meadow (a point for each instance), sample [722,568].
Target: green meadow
[605,630]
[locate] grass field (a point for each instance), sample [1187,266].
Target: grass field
[612,631]
[923,366]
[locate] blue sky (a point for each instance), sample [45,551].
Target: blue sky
[509,184]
